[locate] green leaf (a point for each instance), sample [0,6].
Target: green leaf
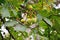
[45,13]
[43,24]
[11,23]
[14,12]
[2,1]
[20,27]
[39,17]
[16,35]
[25,1]
[5,12]
[48,21]
[56,22]
[57,26]
[43,38]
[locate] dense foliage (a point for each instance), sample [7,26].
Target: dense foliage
[29,20]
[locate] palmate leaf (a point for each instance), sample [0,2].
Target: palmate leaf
[5,12]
